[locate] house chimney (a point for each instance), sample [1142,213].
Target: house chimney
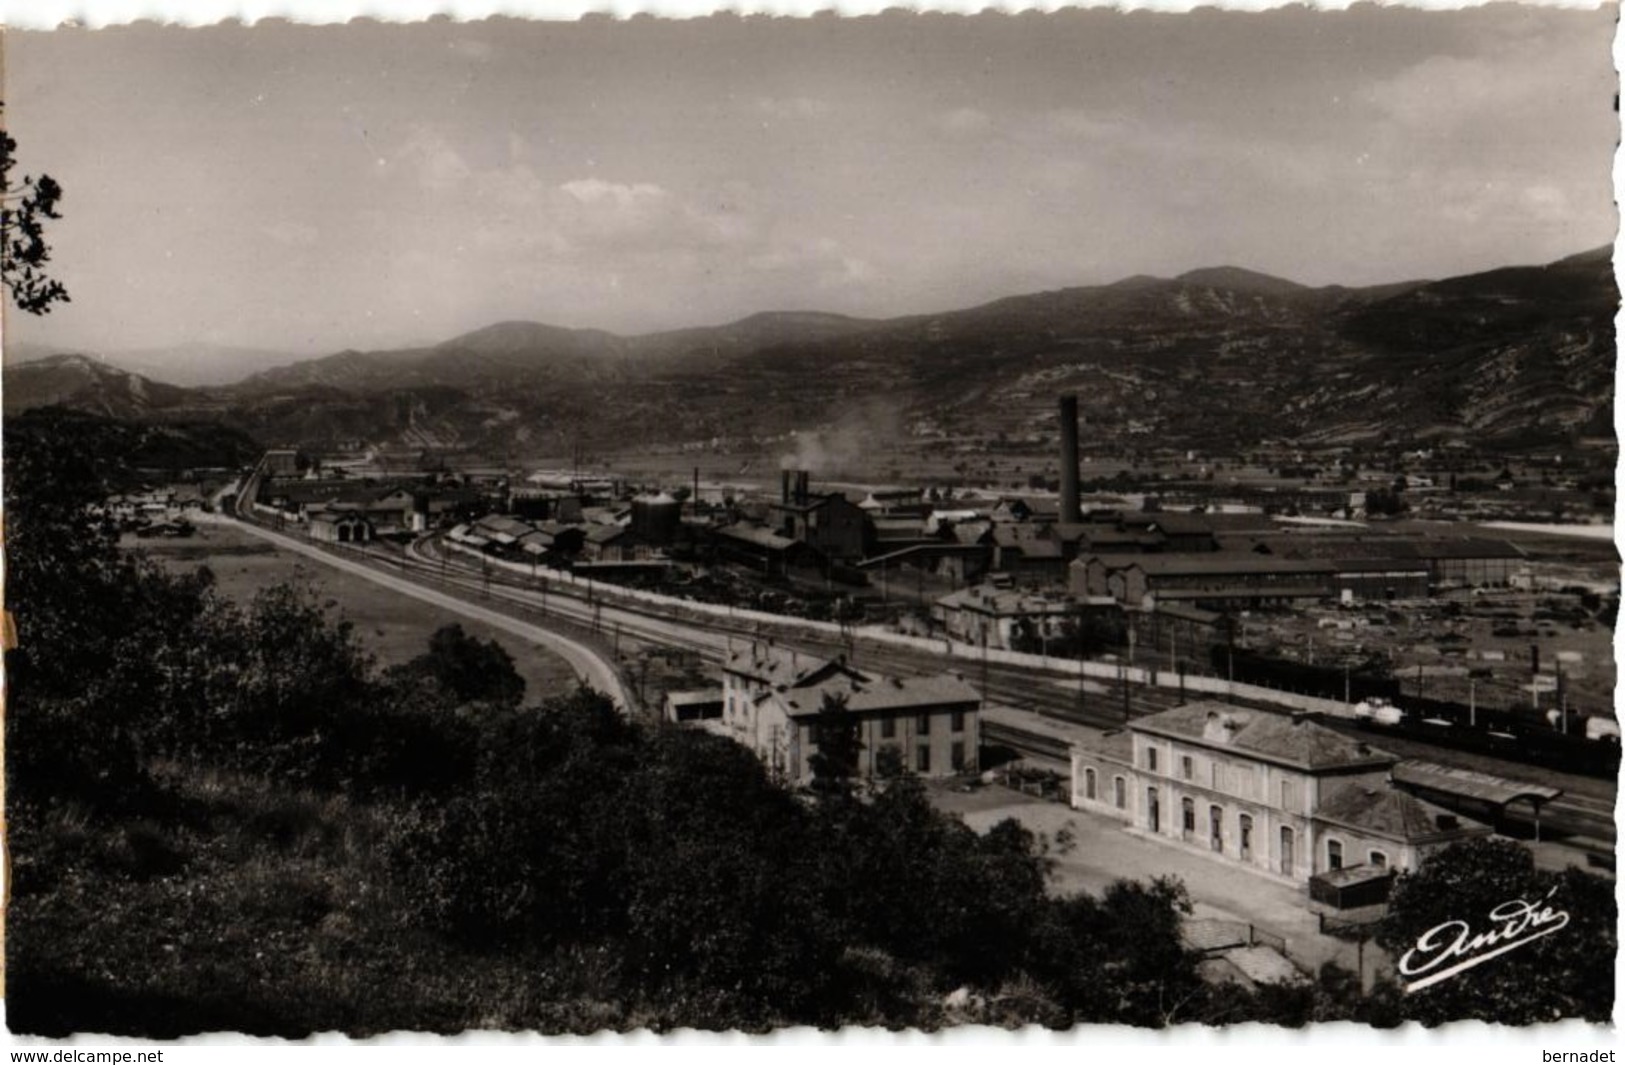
[1069,459]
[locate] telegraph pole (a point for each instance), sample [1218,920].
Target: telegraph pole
[984,664]
[1080,660]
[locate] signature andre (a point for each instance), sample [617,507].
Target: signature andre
[1450,948]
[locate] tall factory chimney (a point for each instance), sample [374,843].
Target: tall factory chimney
[1069,459]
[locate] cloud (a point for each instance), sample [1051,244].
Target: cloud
[1077,124]
[437,165]
[593,238]
[474,49]
[291,234]
[964,122]
[595,191]
[794,107]
[819,262]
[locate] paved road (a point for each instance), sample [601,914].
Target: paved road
[591,666]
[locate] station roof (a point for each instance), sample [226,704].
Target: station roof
[1387,811]
[1470,784]
[1280,738]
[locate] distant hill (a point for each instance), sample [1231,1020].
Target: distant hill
[191,365]
[1216,357]
[86,384]
[1236,279]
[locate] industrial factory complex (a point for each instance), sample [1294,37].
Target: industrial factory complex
[1237,661]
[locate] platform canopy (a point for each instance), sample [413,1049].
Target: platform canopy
[1469,784]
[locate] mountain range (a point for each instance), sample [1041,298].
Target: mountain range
[1513,357]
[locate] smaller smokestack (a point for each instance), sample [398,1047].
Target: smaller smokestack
[1070,511]
[696,486]
[784,496]
[803,479]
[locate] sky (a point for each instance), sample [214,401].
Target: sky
[313,188]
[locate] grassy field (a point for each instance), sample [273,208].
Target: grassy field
[393,628]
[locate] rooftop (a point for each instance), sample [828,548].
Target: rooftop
[873,693]
[985,599]
[1469,784]
[777,666]
[695,697]
[1292,740]
[1384,810]
[1220,564]
[756,535]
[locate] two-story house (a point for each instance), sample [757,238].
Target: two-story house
[773,700]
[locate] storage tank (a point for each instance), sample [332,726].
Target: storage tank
[655,518]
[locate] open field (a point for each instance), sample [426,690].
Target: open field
[393,628]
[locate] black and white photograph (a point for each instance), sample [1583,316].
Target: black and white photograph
[919,522]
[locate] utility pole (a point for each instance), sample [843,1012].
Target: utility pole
[1472,703]
[1080,661]
[984,664]
[1126,711]
[1562,699]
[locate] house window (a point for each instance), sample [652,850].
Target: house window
[1246,840]
[1151,759]
[888,728]
[925,724]
[922,760]
[1089,784]
[1378,859]
[956,756]
[1187,815]
[1119,793]
[958,721]
[1334,854]
[1215,823]
[1187,766]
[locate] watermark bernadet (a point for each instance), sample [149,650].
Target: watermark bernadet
[1451,948]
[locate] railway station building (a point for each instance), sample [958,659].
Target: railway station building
[1276,794]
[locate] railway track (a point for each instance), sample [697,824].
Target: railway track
[1586,812]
